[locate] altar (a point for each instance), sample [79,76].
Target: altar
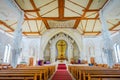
[62,62]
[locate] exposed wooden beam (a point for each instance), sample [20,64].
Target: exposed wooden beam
[47,4]
[97,16]
[6,25]
[31,10]
[91,14]
[115,26]
[85,26]
[30,32]
[13,24]
[87,8]
[61,4]
[49,11]
[34,6]
[94,26]
[76,23]
[73,11]
[92,10]
[91,32]
[25,16]
[37,26]
[76,4]
[29,26]
[65,18]
[46,23]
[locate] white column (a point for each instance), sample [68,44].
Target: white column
[108,45]
[17,41]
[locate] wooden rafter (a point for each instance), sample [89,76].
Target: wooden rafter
[30,15]
[61,4]
[7,26]
[76,23]
[30,32]
[97,15]
[92,32]
[13,23]
[85,25]
[110,23]
[81,25]
[46,4]
[65,18]
[29,26]
[91,14]
[76,4]
[92,10]
[87,8]
[94,25]
[115,26]
[37,26]
[25,16]
[72,10]
[49,11]
[46,23]
[34,6]
[31,10]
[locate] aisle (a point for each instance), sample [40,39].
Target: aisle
[61,73]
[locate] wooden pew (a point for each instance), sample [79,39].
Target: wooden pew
[50,69]
[77,71]
[20,74]
[43,72]
[89,74]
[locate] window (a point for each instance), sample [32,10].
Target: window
[7,53]
[117,52]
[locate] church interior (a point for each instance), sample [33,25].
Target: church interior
[59,40]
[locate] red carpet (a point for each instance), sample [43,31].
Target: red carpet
[61,67]
[61,73]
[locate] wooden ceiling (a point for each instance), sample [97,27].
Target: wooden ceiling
[41,15]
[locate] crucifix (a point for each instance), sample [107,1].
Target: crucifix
[61,49]
[61,46]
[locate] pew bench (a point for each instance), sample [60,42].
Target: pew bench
[23,73]
[99,74]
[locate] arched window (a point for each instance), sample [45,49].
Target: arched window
[7,53]
[117,52]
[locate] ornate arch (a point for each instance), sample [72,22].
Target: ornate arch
[53,41]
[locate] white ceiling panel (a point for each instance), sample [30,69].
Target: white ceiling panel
[53,13]
[81,2]
[25,27]
[25,4]
[60,24]
[91,14]
[48,8]
[97,4]
[68,13]
[33,26]
[73,7]
[40,3]
[90,25]
[31,14]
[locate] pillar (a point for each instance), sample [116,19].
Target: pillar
[108,45]
[17,40]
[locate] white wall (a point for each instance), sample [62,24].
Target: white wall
[5,39]
[73,33]
[96,44]
[30,48]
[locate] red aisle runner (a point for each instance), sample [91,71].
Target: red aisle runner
[61,73]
